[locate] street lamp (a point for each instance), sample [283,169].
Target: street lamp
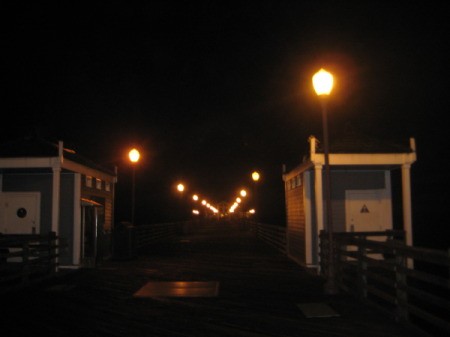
[323,84]
[180,187]
[255,177]
[134,156]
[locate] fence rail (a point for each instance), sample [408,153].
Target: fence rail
[272,234]
[26,258]
[148,234]
[410,284]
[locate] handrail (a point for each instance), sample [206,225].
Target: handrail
[271,234]
[411,284]
[147,234]
[27,258]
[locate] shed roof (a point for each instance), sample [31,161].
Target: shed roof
[355,151]
[354,142]
[36,147]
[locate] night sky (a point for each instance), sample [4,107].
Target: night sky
[211,90]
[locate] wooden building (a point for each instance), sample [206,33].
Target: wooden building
[45,187]
[361,193]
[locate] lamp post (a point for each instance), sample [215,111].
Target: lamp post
[134,156]
[255,177]
[323,84]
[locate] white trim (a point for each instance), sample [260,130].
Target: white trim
[56,187]
[56,191]
[319,197]
[50,162]
[73,166]
[308,218]
[407,208]
[319,204]
[365,158]
[77,219]
[387,197]
[28,162]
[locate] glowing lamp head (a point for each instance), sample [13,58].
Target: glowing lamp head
[322,82]
[243,193]
[134,155]
[180,187]
[255,176]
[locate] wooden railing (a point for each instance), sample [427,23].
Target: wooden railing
[25,259]
[410,284]
[148,234]
[271,234]
[129,239]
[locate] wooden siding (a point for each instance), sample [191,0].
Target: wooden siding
[108,215]
[295,213]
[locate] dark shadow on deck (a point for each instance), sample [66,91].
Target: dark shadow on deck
[259,294]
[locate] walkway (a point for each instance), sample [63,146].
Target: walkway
[240,287]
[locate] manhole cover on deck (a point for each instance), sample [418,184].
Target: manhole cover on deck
[179,289]
[317,310]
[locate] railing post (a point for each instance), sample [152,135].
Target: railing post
[52,251]
[362,267]
[323,253]
[448,254]
[401,286]
[25,262]
[338,243]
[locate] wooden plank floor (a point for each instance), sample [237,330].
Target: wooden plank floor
[259,293]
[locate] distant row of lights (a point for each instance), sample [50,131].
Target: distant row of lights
[181,188]
[242,194]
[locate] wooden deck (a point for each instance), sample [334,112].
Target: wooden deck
[259,293]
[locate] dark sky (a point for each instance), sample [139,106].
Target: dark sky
[210,90]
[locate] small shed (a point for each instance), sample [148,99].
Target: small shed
[360,188]
[46,187]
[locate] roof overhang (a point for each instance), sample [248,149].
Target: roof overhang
[371,159]
[354,161]
[54,163]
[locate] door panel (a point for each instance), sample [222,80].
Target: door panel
[91,228]
[364,211]
[367,211]
[20,213]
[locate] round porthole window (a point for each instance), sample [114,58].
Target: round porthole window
[21,212]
